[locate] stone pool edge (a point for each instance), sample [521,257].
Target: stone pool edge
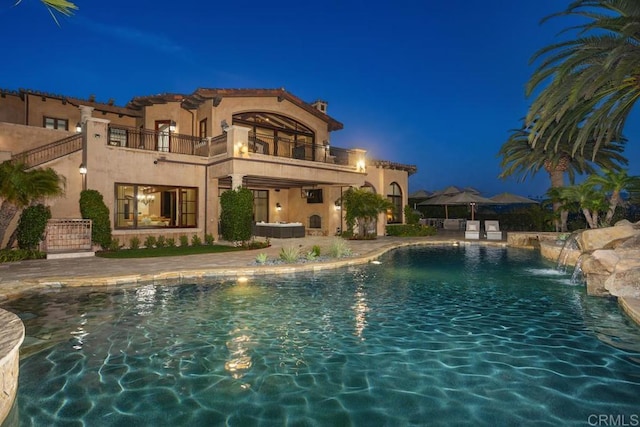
[10,342]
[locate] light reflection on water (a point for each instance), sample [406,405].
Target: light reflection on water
[431,336]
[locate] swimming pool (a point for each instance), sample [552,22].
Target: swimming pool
[467,335]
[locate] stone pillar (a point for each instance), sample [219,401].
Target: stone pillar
[237,140]
[236,180]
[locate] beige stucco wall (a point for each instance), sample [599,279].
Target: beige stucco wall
[18,138]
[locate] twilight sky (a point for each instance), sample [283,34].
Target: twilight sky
[436,84]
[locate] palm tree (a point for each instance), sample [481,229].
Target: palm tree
[521,158]
[363,207]
[19,187]
[614,182]
[593,81]
[589,199]
[63,7]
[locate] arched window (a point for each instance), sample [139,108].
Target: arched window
[394,195]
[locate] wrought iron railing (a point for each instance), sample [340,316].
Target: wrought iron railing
[48,152]
[161,141]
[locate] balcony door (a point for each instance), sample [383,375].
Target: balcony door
[163,133]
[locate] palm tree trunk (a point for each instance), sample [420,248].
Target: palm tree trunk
[8,211]
[557,181]
[613,204]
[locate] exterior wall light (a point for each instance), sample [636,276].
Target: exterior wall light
[83,172]
[78,127]
[360,166]
[278,207]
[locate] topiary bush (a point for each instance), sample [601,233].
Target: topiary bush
[236,217]
[92,207]
[32,225]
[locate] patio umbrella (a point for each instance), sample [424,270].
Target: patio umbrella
[511,199]
[440,200]
[471,199]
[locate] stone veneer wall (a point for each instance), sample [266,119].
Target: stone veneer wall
[10,340]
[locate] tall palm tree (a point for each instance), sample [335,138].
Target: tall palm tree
[19,187]
[614,182]
[592,82]
[521,158]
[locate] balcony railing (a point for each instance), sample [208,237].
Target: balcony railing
[170,142]
[48,152]
[282,147]
[164,142]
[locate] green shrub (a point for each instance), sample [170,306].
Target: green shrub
[261,258]
[12,255]
[410,230]
[150,242]
[184,240]
[196,240]
[256,244]
[114,245]
[339,249]
[289,253]
[410,216]
[134,242]
[32,225]
[171,242]
[236,216]
[161,242]
[209,239]
[316,250]
[310,256]
[92,207]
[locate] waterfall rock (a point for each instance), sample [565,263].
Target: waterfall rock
[598,238]
[616,269]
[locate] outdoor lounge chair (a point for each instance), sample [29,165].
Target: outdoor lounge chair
[492,228]
[473,230]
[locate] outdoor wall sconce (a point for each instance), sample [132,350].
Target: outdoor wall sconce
[78,127]
[224,125]
[360,166]
[278,207]
[83,172]
[337,205]
[172,126]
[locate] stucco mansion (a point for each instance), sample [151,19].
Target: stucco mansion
[161,162]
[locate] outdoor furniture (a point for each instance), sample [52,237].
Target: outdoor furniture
[492,228]
[453,224]
[473,230]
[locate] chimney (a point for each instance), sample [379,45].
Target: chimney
[320,105]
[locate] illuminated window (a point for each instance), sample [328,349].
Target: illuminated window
[155,206]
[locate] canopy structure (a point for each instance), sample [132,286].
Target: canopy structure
[471,199]
[461,198]
[511,199]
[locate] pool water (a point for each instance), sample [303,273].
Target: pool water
[467,335]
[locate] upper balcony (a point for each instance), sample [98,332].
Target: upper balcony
[236,142]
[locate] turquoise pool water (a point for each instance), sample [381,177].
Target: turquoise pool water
[467,335]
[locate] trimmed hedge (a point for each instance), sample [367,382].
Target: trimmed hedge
[410,230]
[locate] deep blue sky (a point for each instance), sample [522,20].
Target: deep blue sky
[436,84]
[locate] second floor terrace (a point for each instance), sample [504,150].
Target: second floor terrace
[237,141]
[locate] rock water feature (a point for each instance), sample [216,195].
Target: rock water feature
[608,258]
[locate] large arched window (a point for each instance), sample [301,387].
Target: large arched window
[277,135]
[394,195]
